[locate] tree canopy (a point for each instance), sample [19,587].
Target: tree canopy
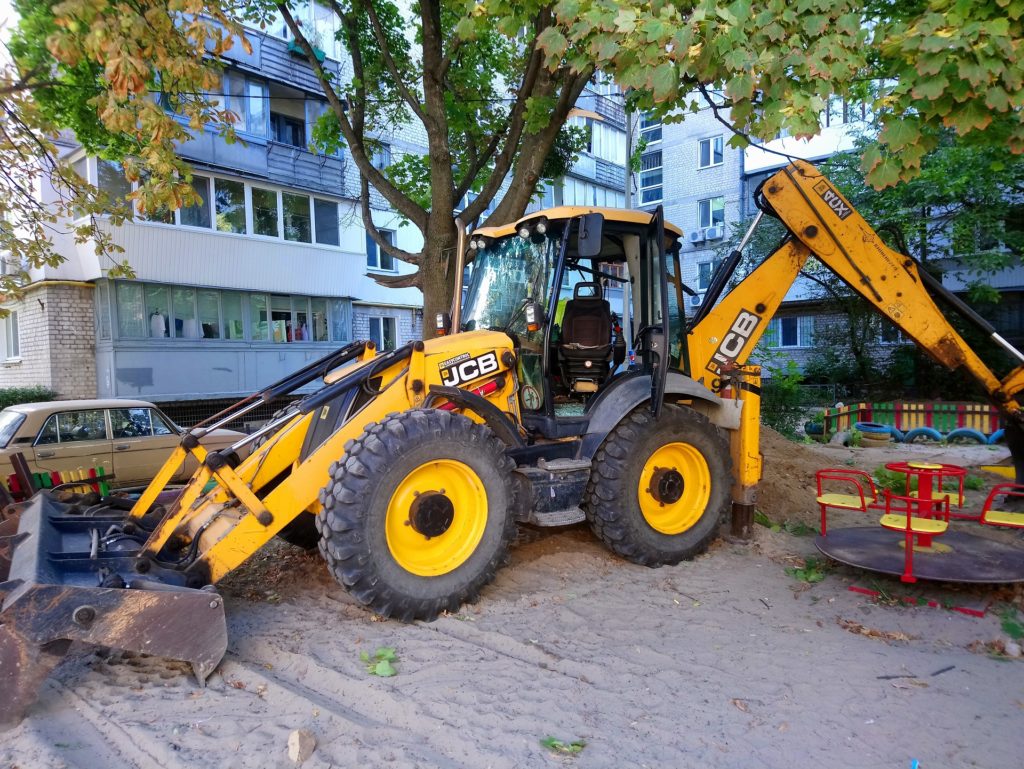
[490,84]
[923,66]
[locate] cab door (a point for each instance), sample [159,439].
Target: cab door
[143,439]
[73,441]
[658,321]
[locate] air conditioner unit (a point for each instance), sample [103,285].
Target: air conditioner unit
[714,233]
[696,299]
[697,236]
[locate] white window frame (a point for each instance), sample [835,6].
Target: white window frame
[377,249]
[713,266]
[710,142]
[648,130]
[660,186]
[380,321]
[11,337]
[804,329]
[709,221]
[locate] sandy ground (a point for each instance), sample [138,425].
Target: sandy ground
[727,661]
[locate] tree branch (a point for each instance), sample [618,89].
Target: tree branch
[389,60]
[382,243]
[356,142]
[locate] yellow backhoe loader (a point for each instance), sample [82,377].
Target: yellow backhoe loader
[567,385]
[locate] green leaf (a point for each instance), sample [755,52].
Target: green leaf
[886,173]
[558,746]
[465,29]
[552,42]
[384,669]
[664,81]
[364,656]
[972,116]
[386,653]
[899,133]
[930,89]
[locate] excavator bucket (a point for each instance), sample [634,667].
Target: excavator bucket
[57,585]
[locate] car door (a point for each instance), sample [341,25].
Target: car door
[73,441]
[142,441]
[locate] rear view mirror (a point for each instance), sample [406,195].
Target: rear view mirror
[588,242]
[533,314]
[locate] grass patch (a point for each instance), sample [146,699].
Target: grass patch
[813,570]
[1011,624]
[796,528]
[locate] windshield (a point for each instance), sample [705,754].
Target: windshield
[10,421]
[506,273]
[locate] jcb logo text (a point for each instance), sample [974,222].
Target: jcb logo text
[467,370]
[734,342]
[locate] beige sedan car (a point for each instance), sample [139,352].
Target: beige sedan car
[130,439]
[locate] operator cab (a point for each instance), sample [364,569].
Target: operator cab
[580,292]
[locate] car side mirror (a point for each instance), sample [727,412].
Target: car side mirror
[588,241]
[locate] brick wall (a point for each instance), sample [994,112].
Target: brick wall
[57,334]
[409,323]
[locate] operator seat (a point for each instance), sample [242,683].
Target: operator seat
[585,347]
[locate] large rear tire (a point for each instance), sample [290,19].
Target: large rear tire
[660,488]
[418,515]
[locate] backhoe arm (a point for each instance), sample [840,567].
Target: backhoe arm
[823,223]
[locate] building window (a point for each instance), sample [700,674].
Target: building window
[650,177]
[264,212]
[794,331]
[709,152]
[198,214]
[888,333]
[246,98]
[111,179]
[231,305]
[382,333]
[382,156]
[711,212]
[288,130]
[12,337]
[328,226]
[705,271]
[650,128]
[297,225]
[229,205]
[376,259]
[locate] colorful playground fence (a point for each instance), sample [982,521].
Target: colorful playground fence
[942,416]
[92,476]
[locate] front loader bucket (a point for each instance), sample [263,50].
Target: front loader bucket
[57,586]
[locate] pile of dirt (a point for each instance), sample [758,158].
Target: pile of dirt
[787,488]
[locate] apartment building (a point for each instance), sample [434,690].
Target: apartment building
[271,269]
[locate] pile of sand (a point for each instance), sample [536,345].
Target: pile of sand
[787,488]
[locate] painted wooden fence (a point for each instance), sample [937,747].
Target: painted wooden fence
[906,415]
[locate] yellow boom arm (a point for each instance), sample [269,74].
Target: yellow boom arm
[824,224]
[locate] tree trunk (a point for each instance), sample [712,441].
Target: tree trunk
[437,272]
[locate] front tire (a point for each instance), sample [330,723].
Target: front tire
[659,488]
[418,515]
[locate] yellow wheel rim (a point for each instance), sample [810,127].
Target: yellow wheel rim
[674,488]
[436,517]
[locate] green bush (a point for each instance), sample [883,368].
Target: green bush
[11,396]
[780,399]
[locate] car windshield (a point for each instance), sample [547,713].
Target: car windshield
[10,421]
[511,270]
